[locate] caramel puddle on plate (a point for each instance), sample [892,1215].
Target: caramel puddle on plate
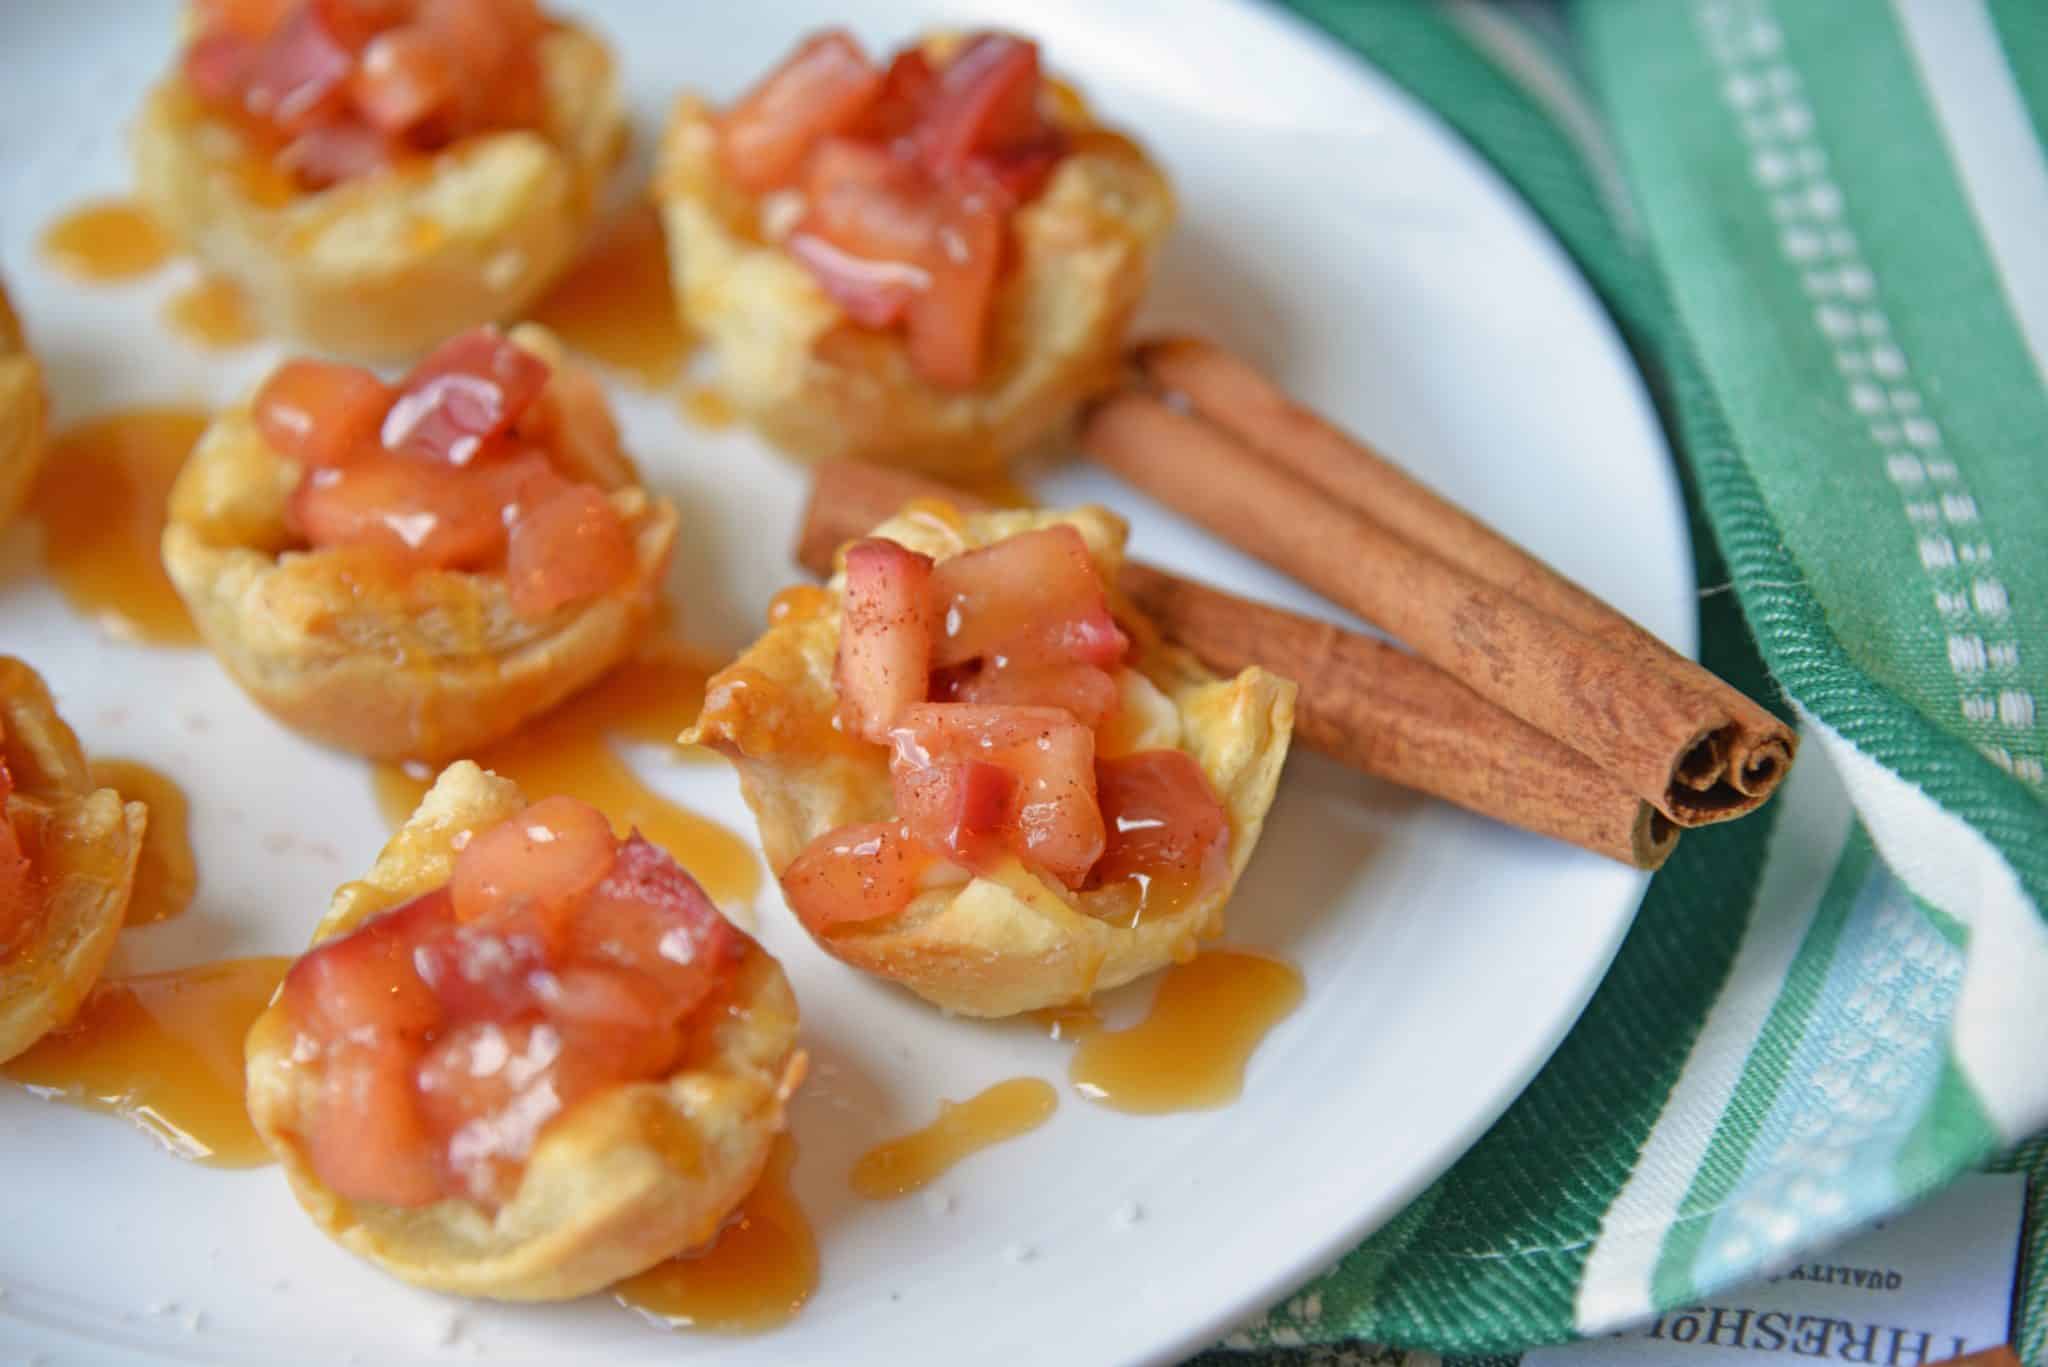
[163,1051]
[213,313]
[167,875]
[649,698]
[754,1276]
[100,499]
[1004,1111]
[106,239]
[618,304]
[1190,1051]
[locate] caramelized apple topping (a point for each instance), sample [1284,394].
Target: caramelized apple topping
[910,175]
[449,1033]
[442,472]
[334,89]
[987,675]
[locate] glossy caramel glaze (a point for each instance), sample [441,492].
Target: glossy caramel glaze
[1190,1051]
[569,751]
[753,1277]
[106,240]
[100,500]
[903,1165]
[167,875]
[615,304]
[163,1051]
[214,314]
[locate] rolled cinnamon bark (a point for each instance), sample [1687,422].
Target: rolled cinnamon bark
[1756,748]
[1362,702]
[1635,724]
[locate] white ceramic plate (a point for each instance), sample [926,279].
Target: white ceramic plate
[1332,229]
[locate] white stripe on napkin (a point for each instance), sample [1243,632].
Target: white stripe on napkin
[1813,826]
[1990,139]
[2001,1032]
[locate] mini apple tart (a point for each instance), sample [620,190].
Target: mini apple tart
[980,773]
[22,407]
[67,864]
[377,174]
[414,570]
[927,262]
[524,1058]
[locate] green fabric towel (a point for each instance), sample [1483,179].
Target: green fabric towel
[1821,227]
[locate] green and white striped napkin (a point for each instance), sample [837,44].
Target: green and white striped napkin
[1823,227]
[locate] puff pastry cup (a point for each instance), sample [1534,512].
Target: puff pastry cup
[81,844]
[1011,938]
[424,664]
[791,361]
[382,265]
[22,408]
[619,1181]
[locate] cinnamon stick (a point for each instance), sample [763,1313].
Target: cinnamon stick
[1364,703]
[1231,393]
[1635,725]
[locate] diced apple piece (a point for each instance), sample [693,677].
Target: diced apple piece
[544,859]
[298,76]
[368,1141]
[486,1090]
[471,388]
[885,635]
[486,970]
[987,97]
[216,66]
[1052,822]
[319,413]
[855,874]
[649,914]
[570,547]
[866,232]
[407,76]
[420,515]
[907,87]
[948,320]
[823,88]
[964,807]
[1163,821]
[366,981]
[1035,599]
[1090,694]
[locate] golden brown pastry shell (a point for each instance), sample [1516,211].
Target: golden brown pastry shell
[385,265]
[23,412]
[822,388]
[615,1184]
[1010,940]
[416,665]
[85,863]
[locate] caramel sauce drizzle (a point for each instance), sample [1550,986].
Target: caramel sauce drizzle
[617,304]
[167,874]
[213,313]
[754,1276]
[164,1052]
[106,240]
[101,502]
[569,750]
[903,1165]
[1190,1051]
